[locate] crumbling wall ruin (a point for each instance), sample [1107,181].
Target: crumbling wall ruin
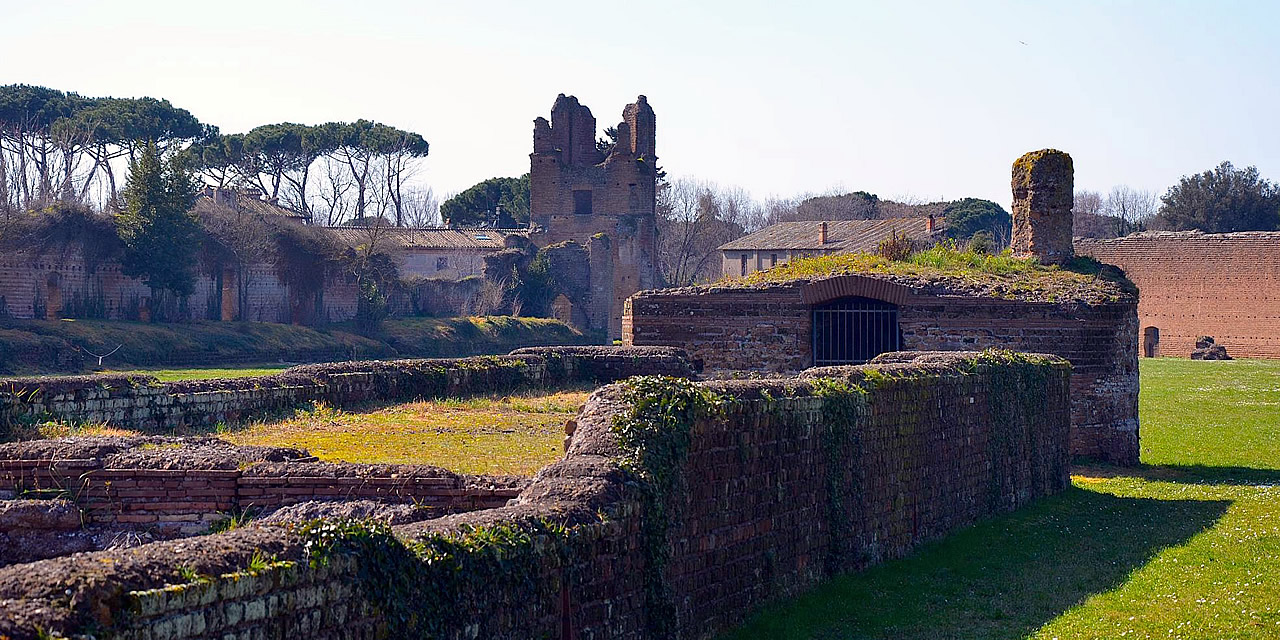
[781,484]
[603,202]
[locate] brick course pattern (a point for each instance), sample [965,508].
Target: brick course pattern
[185,501]
[1225,285]
[141,402]
[771,508]
[769,329]
[604,203]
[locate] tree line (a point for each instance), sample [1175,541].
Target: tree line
[61,146]
[1223,199]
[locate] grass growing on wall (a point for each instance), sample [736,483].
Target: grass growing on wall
[1186,546]
[1014,277]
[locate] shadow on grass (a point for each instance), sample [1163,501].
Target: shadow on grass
[1187,473]
[1003,578]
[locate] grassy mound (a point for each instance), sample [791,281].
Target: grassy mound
[946,269]
[33,347]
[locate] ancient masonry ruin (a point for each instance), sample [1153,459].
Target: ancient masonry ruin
[678,508]
[581,199]
[780,327]
[1224,285]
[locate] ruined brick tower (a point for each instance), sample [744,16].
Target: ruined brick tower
[1043,191]
[602,202]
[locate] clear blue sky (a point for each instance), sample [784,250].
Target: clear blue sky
[930,99]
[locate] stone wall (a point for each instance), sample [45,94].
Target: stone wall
[180,494]
[1201,284]
[141,402]
[63,285]
[769,329]
[604,203]
[783,484]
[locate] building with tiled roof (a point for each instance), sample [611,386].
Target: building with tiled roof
[247,200]
[435,252]
[785,241]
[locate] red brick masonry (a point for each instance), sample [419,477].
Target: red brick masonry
[1225,285]
[768,329]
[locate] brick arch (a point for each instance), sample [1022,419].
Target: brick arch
[845,286]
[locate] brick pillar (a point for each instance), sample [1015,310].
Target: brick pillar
[1043,185]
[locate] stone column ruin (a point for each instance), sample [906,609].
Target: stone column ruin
[1043,191]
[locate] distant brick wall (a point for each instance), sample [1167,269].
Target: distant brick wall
[1196,284]
[779,493]
[140,402]
[769,329]
[28,282]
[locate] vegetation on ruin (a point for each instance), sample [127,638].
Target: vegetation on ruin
[428,585]
[42,347]
[1184,546]
[946,267]
[654,432]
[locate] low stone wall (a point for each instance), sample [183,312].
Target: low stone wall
[769,329]
[141,402]
[678,509]
[180,486]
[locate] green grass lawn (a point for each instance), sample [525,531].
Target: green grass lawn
[1186,546]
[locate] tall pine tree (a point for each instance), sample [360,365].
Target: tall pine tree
[160,233]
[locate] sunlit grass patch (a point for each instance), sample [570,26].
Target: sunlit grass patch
[511,434]
[1185,546]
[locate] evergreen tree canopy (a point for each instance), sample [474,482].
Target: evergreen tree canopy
[968,216]
[160,233]
[1222,200]
[474,207]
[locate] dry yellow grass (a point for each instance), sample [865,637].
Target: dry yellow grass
[515,435]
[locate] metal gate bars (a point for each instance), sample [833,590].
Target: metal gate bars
[853,330]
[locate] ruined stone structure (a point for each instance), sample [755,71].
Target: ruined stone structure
[1226,285]
[785,486]
[791,325]
[770,329]
[603,203]
[1043,192]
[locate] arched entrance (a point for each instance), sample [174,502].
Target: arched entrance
[853,330]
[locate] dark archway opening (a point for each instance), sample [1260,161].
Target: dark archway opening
[1151,342]
[854,330]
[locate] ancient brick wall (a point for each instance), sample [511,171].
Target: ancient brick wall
[577,194]
[769,329]
[788,486]
[1201,284]
[62,285]
[187,501]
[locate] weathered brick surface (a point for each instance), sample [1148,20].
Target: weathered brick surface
[184,501]
[769,329]
[140,402]
[620,228]
[776,495]
[1225,285]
